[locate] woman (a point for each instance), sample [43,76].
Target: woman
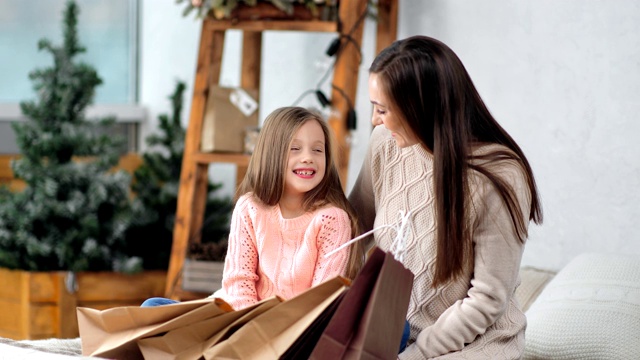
[440,154]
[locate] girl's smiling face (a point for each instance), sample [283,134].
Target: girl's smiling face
[306,164]
[384,113]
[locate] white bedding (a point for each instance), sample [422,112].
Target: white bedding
[10,352]
[50,349]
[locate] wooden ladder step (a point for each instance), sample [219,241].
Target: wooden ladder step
[280,25]
[214,157]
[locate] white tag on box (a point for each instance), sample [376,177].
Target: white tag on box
[243,101]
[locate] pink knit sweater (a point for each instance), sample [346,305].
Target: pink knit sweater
[269,255]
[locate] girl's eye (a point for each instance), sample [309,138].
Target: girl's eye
[381,112]
[293,148]
[319,150]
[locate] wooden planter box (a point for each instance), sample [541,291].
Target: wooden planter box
[128,162]
[37,305]
[202,276]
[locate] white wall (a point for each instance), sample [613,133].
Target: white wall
[561,76]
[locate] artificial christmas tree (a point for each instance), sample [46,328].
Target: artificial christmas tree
[156,184]
[73,213]
[65,230]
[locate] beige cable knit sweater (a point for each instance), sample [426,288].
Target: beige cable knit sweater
[476,316]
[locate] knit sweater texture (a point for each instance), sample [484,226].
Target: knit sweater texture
[269,255]
[476,316]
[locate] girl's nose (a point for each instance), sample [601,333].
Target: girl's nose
[375,120]
[307,158]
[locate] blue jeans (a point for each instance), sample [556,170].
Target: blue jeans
[157,301]
[405,336]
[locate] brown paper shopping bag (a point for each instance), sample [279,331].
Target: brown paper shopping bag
[269,335]
[112,333]
[189,342]
[304,344]
[369,321]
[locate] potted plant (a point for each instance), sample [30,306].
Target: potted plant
[62,238]
[204,266]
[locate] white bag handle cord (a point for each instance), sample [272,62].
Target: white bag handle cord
[398,247]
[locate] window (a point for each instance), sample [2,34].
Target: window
[106,28]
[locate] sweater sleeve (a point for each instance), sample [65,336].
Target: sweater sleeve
[335,230]
[497,255]
[241,263]
[362,197]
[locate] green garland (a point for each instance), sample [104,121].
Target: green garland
[221,9]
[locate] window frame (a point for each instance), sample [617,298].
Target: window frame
[132,114]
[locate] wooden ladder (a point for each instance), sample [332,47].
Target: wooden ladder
[195,163]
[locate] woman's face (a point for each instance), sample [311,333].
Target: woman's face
[384,113]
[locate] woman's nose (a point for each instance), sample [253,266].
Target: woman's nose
[375,120]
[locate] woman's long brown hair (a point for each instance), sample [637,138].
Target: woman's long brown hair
[265,175]
[430,87]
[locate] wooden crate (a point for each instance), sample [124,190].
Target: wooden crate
[202,276]
[37,305]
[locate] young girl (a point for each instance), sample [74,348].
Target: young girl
[290,212]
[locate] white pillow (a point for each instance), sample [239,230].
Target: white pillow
[589,310]
[533,281]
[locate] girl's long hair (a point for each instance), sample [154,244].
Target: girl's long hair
[265,175]
[430,87]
